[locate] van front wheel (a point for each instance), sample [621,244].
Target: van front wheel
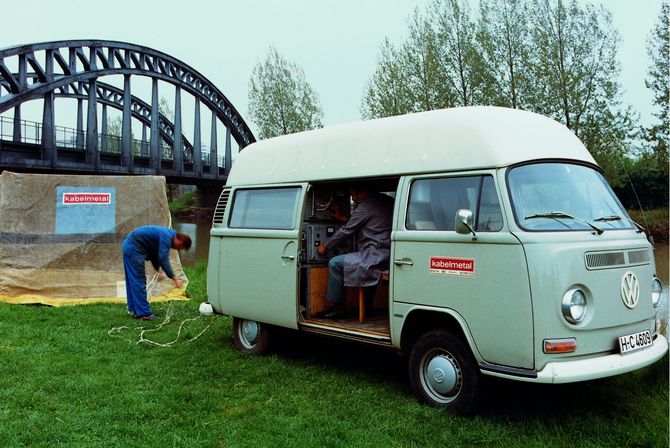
[444,373]
[251,336]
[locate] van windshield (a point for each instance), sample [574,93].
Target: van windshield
[563,197]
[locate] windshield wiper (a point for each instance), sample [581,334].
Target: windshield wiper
[640,229]
[557,215]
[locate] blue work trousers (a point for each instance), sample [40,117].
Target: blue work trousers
[136,279]
[337,292]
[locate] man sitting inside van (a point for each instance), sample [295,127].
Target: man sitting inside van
[371,219]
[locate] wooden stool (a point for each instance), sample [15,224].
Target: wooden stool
[361,300]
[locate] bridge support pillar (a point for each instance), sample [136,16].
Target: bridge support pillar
[92,149]
[126,129]
[197,146]
[227,161]
[213,151]
[208,195]
[155,151]
[178,148]
[16,135]
[49,149]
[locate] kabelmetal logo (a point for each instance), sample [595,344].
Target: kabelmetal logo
[87,198]
[463,267]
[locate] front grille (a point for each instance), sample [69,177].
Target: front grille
[605,260]
[639,256]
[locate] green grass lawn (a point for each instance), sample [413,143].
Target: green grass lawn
[64,381]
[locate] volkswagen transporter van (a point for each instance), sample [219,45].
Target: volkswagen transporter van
[510,254]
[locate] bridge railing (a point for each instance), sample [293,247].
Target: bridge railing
[31,133]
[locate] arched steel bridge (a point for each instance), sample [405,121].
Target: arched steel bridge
[72,69]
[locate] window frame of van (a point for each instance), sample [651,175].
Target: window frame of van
[625,217]
[294,216]
[481,176]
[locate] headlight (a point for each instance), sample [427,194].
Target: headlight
[656,291]
[574,306]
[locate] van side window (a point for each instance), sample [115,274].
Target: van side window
[266,208]
[433,203]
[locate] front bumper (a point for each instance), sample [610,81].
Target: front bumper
[560,372]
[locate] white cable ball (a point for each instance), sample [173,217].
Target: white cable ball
[206,309]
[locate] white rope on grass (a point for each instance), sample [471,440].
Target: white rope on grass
[142,339]
[168,316]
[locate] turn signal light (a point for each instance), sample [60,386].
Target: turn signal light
[560,345]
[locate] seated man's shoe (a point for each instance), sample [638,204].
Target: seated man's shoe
[151,316]
[321,314]
[332,314]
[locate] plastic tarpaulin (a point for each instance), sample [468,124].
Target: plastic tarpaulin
[61,237]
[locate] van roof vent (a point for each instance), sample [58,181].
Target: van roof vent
[221,206]
[605,260]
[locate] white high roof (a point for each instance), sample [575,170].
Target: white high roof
[465,138]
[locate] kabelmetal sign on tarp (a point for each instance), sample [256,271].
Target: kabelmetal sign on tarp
[61,236]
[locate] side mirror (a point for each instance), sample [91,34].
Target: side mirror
[463,223]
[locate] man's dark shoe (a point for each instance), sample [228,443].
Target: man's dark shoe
[151,316]
[321,314]
[332,314]
[135,316]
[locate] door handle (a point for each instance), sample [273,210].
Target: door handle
[288,257]
[403,263]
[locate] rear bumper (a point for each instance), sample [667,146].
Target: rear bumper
[559,372]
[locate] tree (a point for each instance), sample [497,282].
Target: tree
[459,55]
[425,73]
[575,63]
[386,93]
[280,99]
[576,60]
[505,37]
[656,136]
[548,56]
[608,134]
[432,68]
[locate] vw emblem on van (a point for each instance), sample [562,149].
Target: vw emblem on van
[630,290]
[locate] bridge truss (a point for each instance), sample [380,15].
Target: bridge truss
[73,69]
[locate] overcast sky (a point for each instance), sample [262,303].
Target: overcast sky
[336,42]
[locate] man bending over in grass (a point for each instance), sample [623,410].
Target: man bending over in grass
[151,243]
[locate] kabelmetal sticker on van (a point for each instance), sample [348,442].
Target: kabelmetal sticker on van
[463,267]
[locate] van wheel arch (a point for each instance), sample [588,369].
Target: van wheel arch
[419,322]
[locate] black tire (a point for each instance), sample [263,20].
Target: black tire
[252,337]
[444,373]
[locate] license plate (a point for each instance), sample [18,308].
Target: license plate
[635,341]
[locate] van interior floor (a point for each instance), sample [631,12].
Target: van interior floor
[378,324]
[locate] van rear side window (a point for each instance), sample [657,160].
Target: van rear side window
[265,208]
[433,203]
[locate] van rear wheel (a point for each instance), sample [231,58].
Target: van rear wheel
[444,373]
[251,336]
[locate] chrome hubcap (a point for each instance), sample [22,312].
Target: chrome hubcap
[441,375]
[249,332]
